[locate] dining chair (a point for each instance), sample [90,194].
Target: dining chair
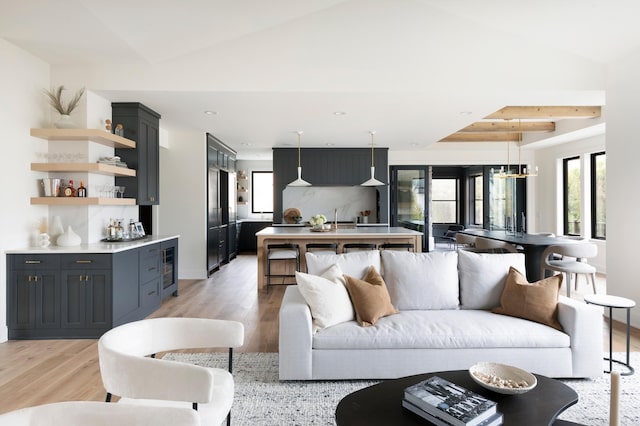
[129,369]
[465,240]
[494,246]
[570,259]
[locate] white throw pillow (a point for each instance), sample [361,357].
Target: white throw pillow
[355,263]
[421,281]
[327,297]
[482,277]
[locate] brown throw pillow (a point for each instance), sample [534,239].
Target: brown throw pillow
[533,301]
[370,297]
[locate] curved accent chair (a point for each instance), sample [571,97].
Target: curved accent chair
[83,413]
[494,246]
[130,370]
[554,258]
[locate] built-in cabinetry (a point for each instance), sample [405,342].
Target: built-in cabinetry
[221,203]
[331,167]
[84,136]
[247,242]
[82,295]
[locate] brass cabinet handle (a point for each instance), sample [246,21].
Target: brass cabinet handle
[84,261]
[32,262]
[150,293]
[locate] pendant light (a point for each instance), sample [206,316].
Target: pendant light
[299,181]
[521,171]
[373,181]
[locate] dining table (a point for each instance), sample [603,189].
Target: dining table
[533,246]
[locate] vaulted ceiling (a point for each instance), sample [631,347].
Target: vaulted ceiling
[416,71]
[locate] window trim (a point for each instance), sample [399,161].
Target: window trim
[565,193]
[456,200]
[253,173]
[593,186]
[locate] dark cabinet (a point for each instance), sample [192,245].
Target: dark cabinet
[142,125]
[221,195]
[232,245]
[331,167]
[83,295]
[33,289]
[247,240]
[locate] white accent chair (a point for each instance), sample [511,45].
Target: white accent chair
[130,370]
[576,264]
[84,413]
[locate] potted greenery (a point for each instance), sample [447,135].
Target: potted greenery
[55,100]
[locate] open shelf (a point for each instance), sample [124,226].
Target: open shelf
[94,135]
[78,201]
[104,169]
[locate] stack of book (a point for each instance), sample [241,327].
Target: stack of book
[446,404]
[112,161]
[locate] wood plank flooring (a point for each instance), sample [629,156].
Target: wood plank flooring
[36,372]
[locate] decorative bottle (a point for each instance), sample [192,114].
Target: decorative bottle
[82,191]
[70,191]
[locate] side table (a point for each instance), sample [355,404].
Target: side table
[612,302]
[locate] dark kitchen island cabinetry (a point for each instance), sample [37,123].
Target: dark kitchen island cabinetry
[68,292]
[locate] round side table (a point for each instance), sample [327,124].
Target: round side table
[612,302]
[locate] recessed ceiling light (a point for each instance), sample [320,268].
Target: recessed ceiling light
[339,113]
[466,112]
[414,144]
[208,112]
[245,144]
[329,144]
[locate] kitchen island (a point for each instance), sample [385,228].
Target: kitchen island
[82,291]
[304,235]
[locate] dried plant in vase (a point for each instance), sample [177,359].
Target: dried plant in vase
[55,100]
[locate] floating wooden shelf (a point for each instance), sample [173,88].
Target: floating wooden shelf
[99,136]
[104,169]
[88,201]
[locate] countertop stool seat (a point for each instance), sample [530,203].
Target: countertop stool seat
[611,302]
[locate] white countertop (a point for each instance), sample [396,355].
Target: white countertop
[353,232]
[99,247]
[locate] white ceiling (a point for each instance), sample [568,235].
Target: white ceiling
[414,70]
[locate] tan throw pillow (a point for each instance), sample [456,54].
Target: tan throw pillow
[532,301]
[370,297]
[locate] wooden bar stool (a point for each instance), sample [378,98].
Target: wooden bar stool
[397,246]
[283,253]
[358,246]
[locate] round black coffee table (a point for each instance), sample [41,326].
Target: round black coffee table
[381,404]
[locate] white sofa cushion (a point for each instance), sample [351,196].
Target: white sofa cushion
[482,277]
[355,263]
[442,330]
[421,280]
[327,297]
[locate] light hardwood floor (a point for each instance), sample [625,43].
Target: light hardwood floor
[35,372]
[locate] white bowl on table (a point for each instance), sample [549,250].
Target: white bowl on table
[502,378]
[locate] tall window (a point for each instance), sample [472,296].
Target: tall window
[572,196]
[444,200]
[262,192]
[476,197]
[599,195]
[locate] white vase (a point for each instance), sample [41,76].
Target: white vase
[65,122]
[69,239]
[55,229]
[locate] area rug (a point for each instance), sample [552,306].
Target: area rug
[260,399]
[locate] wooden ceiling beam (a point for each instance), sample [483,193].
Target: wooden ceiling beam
[510,126]
[515,112]
[481,137]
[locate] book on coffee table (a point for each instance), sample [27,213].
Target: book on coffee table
[449,402]
[494,420]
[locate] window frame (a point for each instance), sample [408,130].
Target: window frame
[594,186]
[473,200]
[253,187]
[565,194]
[456,200]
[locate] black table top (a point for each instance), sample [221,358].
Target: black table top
[381,404]
[519,238]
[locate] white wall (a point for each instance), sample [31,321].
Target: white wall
[623,181]
[183,202]
[22,106]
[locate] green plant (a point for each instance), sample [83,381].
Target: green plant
[55,100]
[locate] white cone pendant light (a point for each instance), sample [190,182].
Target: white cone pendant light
[299,181]
[373,181]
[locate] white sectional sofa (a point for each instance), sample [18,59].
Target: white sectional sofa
[444,322]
